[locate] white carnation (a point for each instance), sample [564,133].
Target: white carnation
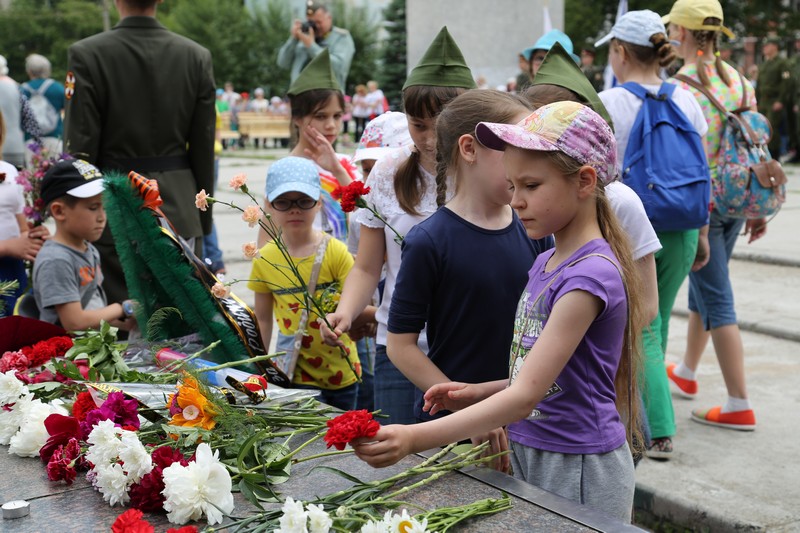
[202,487]
[112,483]
[318,519]
[294,517]
[11,389]
[32,434]
[134,457]
[104,443]
[11,419]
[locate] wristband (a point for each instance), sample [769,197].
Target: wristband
[127,308]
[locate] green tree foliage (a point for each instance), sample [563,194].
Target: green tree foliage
[393,53]
[46,28]
[364,28]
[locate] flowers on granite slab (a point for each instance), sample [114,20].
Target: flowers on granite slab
[203,487]
[32,434]
[146,494]
[350,426]
[190,407]
[131,521]
[65,461]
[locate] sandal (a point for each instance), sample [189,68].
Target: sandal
[660,449]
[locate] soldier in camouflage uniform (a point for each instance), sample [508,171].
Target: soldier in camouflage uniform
[773,90]
[593,72]
[794,111]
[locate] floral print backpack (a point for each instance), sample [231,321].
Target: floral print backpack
[749,184]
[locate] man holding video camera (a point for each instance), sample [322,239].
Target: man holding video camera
[309,38]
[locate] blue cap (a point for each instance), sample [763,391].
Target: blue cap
[636,27]
[293,174]
[547,41]
[220,92]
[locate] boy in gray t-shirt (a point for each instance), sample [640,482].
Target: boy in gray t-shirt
[67,274]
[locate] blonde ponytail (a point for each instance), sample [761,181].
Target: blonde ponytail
[626,380]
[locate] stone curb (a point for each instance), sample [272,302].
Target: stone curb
[685,512]
[754,327]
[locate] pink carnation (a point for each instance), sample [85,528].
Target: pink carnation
[250,250]
[201,200]
[220,291]
[14,361]
[251,215]
[238,181]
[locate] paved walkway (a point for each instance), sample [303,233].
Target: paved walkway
[719,480]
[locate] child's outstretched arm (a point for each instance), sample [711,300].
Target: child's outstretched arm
[569,320]
[359,286]
[74,318]
[454,395]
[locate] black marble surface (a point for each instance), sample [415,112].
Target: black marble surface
[56,507]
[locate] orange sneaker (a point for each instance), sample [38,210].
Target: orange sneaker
[685,388]
[741,420]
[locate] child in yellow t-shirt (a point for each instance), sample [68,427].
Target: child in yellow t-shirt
[293,201]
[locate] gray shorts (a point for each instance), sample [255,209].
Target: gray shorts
[605,482]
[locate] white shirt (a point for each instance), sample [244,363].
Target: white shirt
[11,202]
[383,198]
[631,214]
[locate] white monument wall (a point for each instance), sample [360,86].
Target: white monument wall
[490,33]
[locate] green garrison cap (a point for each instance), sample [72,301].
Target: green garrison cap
[442,65]
[558,68]
[318,74]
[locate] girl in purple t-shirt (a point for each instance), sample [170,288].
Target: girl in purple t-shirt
[571,393]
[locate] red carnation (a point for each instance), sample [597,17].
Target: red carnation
[184,529]
[41,353]
[84,403]
[350,197]
[146,494]
[131,522]
[61,429]
[64,462]
[61,345]
[350,426]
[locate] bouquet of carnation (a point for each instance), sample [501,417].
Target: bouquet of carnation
[30,178]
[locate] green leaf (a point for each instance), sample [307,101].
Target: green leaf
[245,488]
[341,473]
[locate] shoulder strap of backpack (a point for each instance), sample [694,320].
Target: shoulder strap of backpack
[703,89]
[666,90]
[635,88]
[44,86]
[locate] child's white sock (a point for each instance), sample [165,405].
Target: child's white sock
[736,404]
[683,371]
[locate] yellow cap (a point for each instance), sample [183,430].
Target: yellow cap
[691,13]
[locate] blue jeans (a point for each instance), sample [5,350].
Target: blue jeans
[366,389]
[394,394]
[710,291]
[211,251]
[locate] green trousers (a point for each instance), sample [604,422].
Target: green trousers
[673,263]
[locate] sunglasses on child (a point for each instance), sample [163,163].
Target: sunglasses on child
[284,204]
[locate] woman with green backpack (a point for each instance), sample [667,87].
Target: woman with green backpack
[654,121]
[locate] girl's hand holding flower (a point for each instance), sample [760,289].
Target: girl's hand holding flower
[387,447]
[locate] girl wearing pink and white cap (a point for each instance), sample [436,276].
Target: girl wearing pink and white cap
[571,391]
